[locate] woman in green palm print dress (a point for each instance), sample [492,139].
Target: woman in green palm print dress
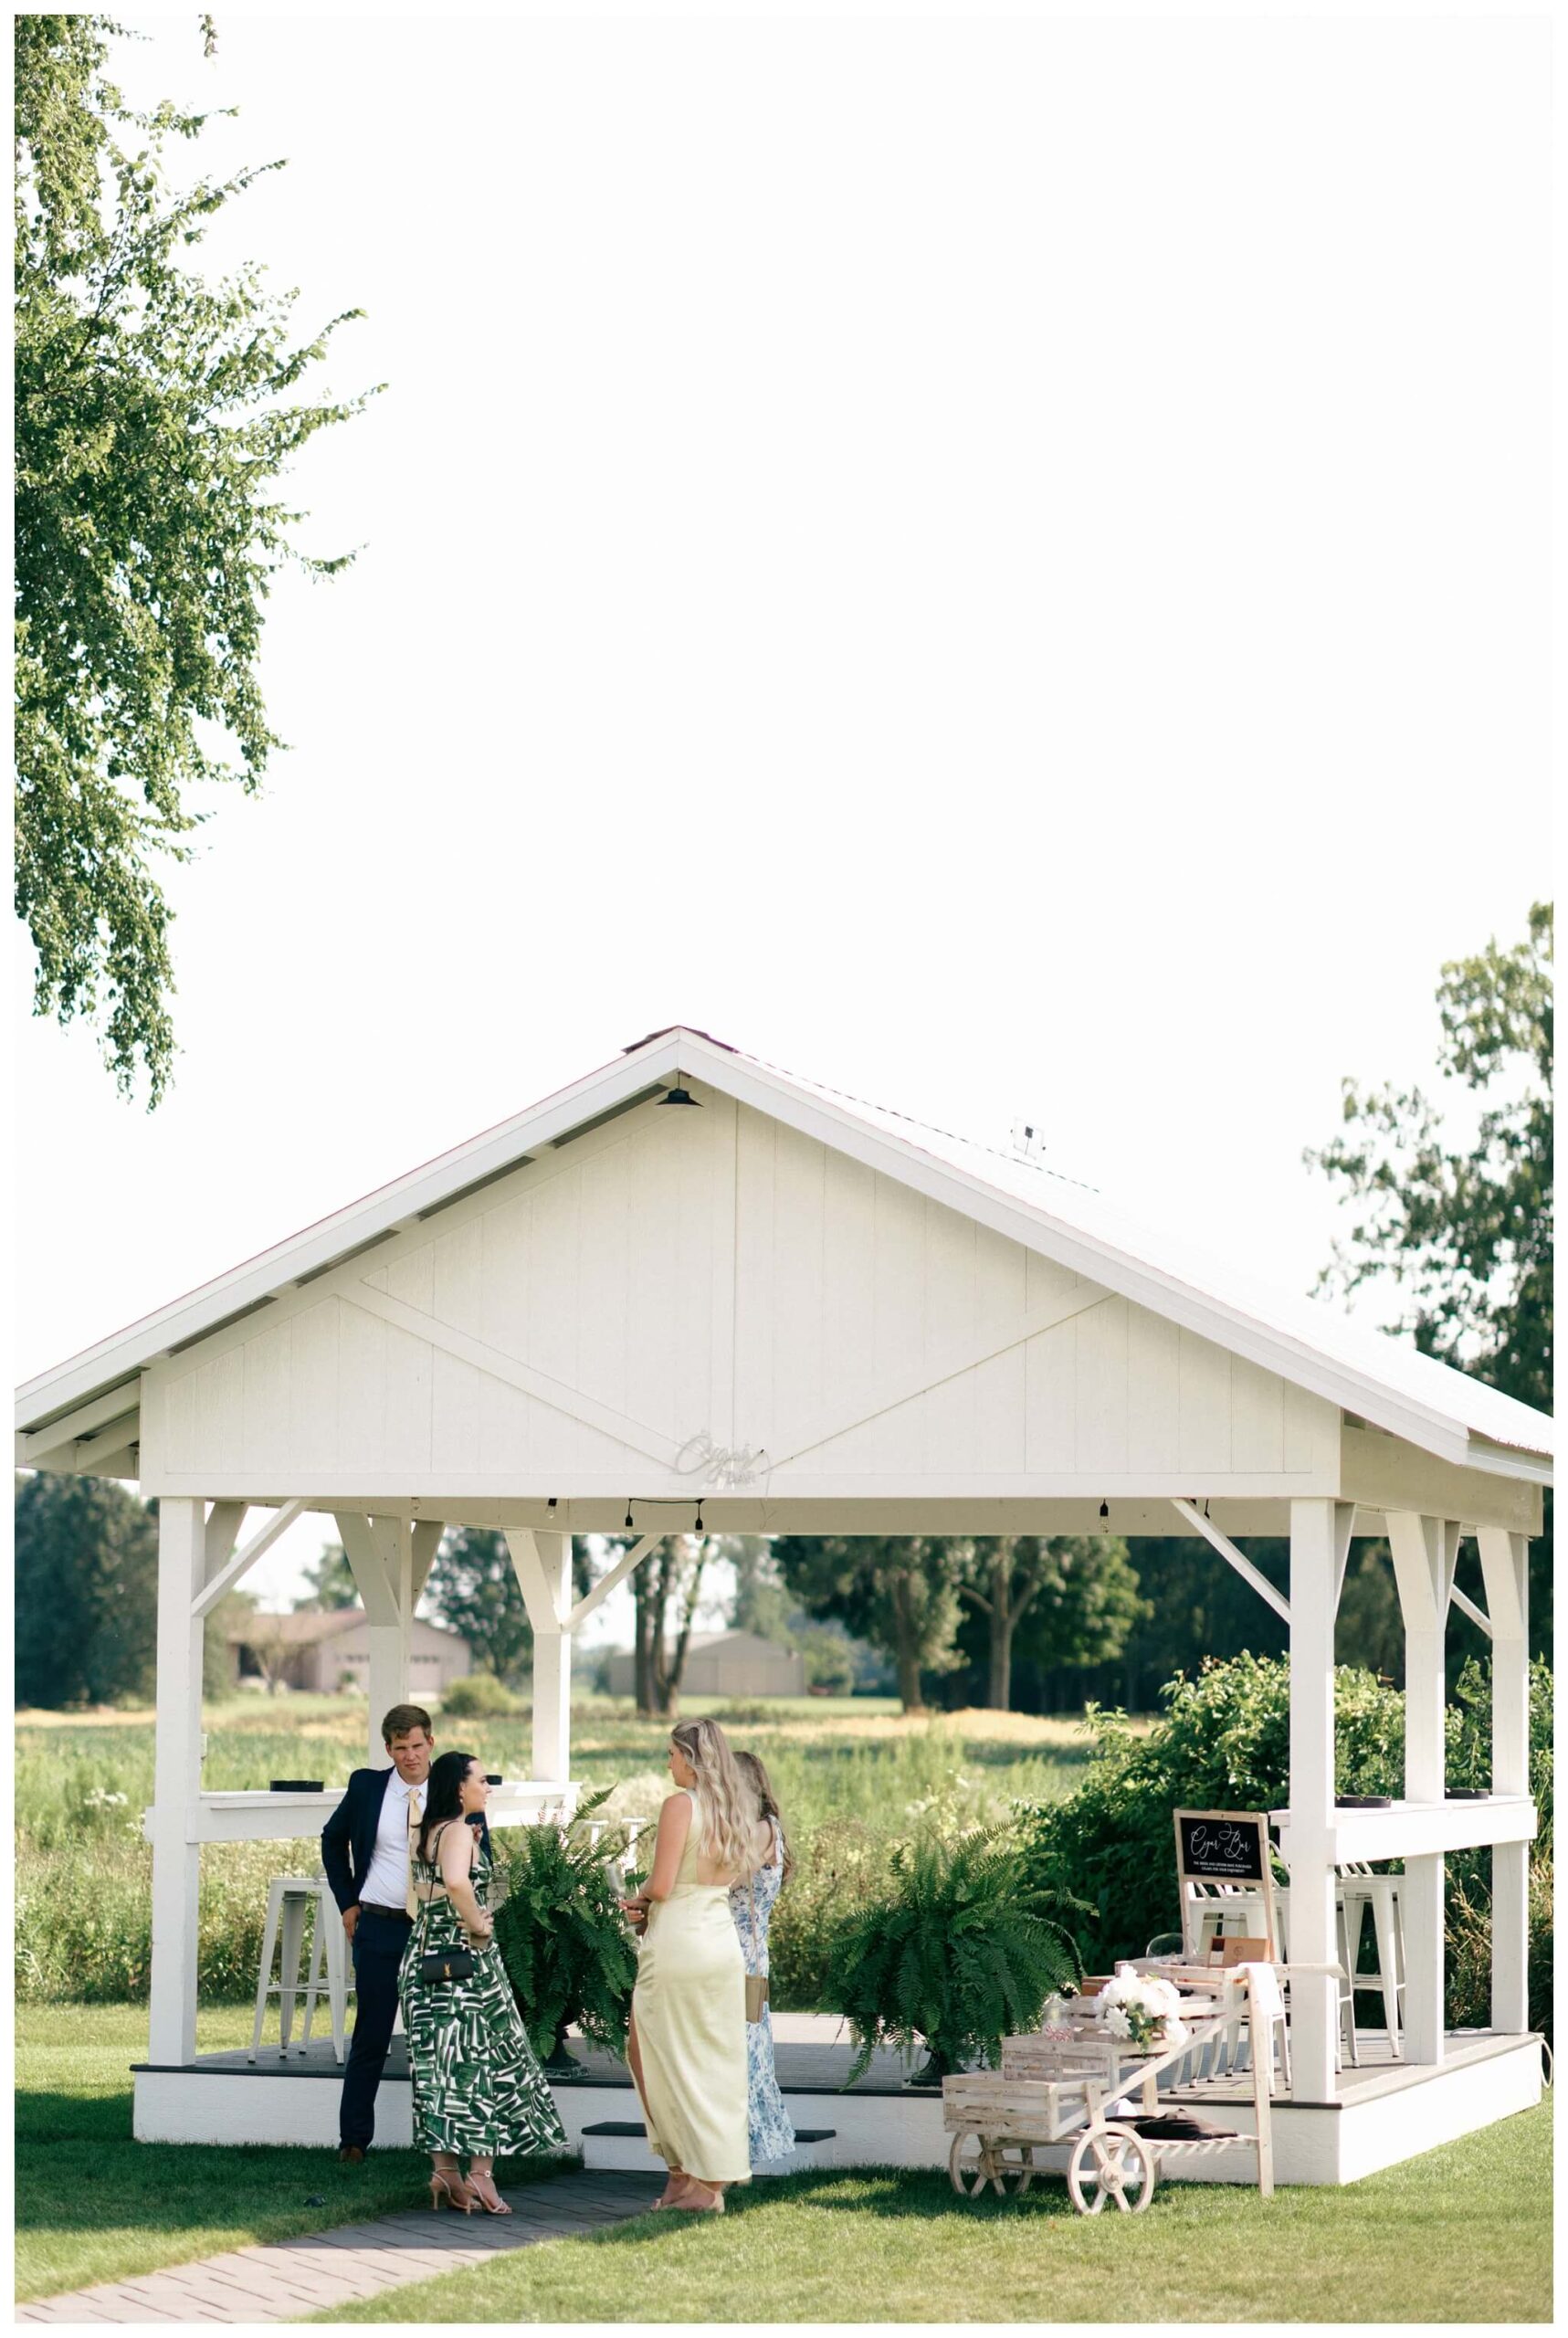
[478,2091]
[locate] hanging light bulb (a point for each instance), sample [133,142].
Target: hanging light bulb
[628,1518]
[700,1528]
[1105,1510]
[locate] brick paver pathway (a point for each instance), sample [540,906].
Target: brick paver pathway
[283,2280]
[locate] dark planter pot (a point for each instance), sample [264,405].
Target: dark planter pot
[932,2071]
[562,2065]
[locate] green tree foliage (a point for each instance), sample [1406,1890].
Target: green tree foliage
[1192,1606]
[155,418]
[473,1589]
[900,1592]
[332,1580]
[1066,1600]
[829,1660]
[762,1601]
[87,1592]
[955,1948]
[87,1597]
[666,1591]
[1462,1229]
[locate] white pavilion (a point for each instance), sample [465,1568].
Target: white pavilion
[692,1279]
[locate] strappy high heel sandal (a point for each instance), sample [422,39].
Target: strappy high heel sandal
[493,2206]
[447,2190]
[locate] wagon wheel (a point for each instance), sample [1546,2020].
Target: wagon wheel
[1014,2166]
[1111,2163]
[969,2163]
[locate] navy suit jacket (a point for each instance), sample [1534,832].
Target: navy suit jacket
[348,1838]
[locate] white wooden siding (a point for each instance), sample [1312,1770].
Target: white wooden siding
[672,1275]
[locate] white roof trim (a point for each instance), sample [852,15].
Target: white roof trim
[1369,1372]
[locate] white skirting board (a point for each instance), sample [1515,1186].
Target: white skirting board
[1312,2145]
[256,2107]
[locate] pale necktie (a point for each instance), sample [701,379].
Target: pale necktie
[415,1811]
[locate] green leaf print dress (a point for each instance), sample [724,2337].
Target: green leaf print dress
[478,2086]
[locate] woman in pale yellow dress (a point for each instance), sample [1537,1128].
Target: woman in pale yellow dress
[687,2043]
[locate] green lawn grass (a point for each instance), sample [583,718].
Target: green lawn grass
[1463,2233]
[92,2205]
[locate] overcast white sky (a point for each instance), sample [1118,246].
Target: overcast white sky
[999,565]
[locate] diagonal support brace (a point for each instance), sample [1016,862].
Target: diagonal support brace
[1232,1556]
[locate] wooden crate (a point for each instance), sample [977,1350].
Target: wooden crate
[984,2102]
[1056,2059]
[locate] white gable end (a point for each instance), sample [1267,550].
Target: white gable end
[604,1283]
[675,1283]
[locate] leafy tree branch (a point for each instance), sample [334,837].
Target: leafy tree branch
[153,427]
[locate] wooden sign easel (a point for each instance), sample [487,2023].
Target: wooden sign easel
[1226,1848]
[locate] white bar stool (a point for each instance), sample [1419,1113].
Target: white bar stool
[289,1899]
[1363,1889]
[1345,2045]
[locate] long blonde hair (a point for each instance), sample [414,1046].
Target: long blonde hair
[727,1803]
[754,1771]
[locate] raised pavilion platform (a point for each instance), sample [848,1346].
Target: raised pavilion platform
[1375,2115]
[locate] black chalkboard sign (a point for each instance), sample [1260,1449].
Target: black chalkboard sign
[1223,1846]
[1227,1883]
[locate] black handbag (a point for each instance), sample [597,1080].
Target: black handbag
[446,1964]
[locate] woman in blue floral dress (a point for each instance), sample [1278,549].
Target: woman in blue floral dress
[771,2134]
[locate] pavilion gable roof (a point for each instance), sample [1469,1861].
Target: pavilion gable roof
[1374,1375]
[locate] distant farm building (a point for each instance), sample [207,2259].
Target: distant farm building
[725,1664]
[328,1649]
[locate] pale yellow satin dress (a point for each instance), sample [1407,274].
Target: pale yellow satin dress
[689,2006]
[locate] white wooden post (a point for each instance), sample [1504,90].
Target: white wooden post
[1505,1564]
[375,1551]
[544,1566]
[1314,1999]
[177,1779]
[1425,1550]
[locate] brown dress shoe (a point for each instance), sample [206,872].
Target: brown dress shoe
[351,2152]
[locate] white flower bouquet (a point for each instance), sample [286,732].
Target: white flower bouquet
[1141,2008]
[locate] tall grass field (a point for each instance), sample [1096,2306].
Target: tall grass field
[852,1776]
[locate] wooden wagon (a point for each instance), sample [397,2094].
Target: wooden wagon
[1053,2089]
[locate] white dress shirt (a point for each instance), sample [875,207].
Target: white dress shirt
[386,1885]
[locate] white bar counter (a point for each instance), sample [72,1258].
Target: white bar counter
[254,1815]
[1420,1830]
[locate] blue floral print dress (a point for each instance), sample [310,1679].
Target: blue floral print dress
[770,2134]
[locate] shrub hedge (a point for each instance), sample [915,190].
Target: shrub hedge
[1224,1744]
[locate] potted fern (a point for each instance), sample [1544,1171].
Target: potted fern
[955,1950]
[563,1940]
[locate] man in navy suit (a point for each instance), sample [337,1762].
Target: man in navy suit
[365,1850]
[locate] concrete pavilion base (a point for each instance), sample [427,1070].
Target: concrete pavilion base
[1381,2113]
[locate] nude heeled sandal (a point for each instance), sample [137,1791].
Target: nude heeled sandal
[447,2190]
